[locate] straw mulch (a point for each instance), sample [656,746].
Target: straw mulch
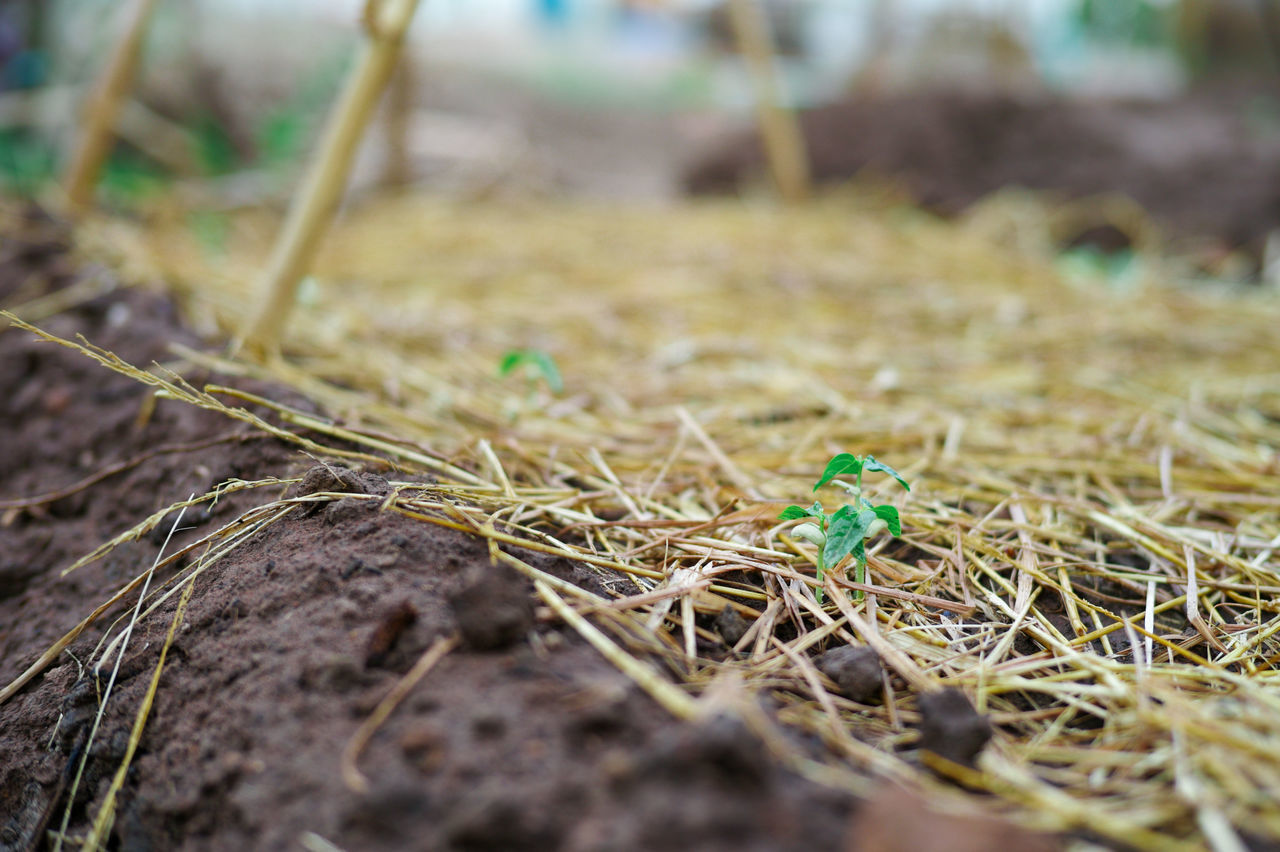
[1090,543]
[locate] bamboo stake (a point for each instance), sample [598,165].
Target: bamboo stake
[400,96]
[783,139]
[103,107]
[313,208]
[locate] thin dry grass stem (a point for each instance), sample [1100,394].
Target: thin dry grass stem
[892,656]
[150,523]
[54,651]
[668,696]
[813,680]
[106,813]
[386,23]
[105,818]
[177,389]
[390,449]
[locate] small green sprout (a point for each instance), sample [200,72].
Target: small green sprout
[537,364]
[846,530]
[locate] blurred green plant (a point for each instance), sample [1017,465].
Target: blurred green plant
[537,364]
[211,229]
[215,152]
[27,162]
[1131,22]
[130,178]
[1121,270]
[285,132]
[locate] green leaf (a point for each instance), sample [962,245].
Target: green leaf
[846,532]
[538,361]
[839,465]
[889,515]
[872,464]
[510,360]
[792,512]
[551,373]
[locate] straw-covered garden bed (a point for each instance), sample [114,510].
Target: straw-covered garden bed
[416,603]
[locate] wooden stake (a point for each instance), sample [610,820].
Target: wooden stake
[103,107]
[313,208]
[783,139]
[398,171]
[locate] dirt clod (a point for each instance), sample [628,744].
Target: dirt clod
[335,673]
[731,626]
[492,818]
[334,478]
[328,477]
[951,728]
[424,746]
[720,750]
[388,632]
[856,671]
[492,609]
[194,516]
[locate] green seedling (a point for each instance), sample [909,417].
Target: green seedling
[845,531]
[537,364]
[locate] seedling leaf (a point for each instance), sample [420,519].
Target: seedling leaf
[845,533]
[792,512]
[871,464]
[810,532]
[889,515]
[538,361]
[839,465]
[510,360]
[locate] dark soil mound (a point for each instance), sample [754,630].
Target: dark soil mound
[1205,166]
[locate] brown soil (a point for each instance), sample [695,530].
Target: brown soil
[523,738]
[1205,166]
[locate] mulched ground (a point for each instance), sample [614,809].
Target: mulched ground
[522,738]
[1206,166]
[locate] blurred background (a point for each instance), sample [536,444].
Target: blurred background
[1171,104]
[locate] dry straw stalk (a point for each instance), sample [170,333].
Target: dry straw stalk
[102,108]
[779,127]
